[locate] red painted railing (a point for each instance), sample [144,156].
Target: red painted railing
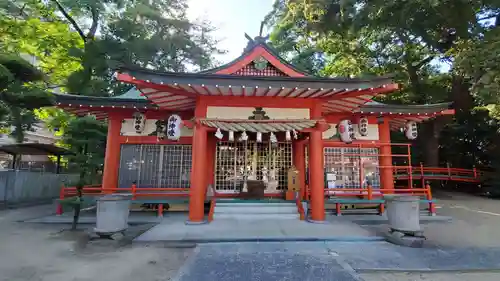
[137,193]
[438,173]
[369,193]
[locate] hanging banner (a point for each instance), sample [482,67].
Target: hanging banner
[174,127]
[363,126]
[139,122]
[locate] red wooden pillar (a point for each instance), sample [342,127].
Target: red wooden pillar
[112,156]
[317,179]
[317,173]
[299,161]
[198,175]
[386,171]
[210,158]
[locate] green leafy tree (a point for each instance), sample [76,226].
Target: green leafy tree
[406,38]
[31,31]
[153,34]
[86,138]
[17,97]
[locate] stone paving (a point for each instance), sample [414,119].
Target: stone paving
[231,230]
[318,261]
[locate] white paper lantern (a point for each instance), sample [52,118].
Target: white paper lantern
[273,138]
[219,134]
[231,136]
[411,130]
[288,136]
[174,127]
[346,131]
[139,122]
[259,137]
[363,126]
[244,136]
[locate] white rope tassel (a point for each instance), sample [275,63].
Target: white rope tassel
[219,134]
[288,136]
[244,136]
[259,137]
[231,136]
[273,138]
[295,135]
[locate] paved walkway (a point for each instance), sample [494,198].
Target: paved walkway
[318,261]
[230,230]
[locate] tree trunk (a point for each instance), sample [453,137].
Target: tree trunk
[76,216]
[431,132]
[463,101]
[430,145]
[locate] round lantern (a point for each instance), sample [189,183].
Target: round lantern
[363,126]
[346,131]
[411,131]
[174,127]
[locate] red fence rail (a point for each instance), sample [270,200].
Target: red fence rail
[438,173]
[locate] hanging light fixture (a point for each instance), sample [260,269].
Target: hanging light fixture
[288,136]
[219,134]
[259,137]
[244,136]
[273,138]
[231,136]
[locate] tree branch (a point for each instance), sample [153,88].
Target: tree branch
[424,61]
[95,23]
[71,20]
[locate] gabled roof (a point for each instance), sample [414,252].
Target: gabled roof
[255,49]
[401,113]
[178,91]
[99,106]
[34,149]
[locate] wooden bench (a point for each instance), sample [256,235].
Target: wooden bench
[380,202]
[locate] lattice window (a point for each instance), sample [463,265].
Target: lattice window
[344,163]
[250,70]
[238,161]
[155,165]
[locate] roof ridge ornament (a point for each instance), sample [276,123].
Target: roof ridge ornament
[257,39]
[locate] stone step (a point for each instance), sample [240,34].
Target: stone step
[255,209]
[247,216]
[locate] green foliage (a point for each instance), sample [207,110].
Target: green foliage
[14,68]
[413,40]
[152,34]
[86,137]
[17,98]
[44,42]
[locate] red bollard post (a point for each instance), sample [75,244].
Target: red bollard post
[337,209]
[370,191]
[59,210]
[134,189]
[160,210]
[432,207]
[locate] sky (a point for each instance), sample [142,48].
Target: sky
[232,18]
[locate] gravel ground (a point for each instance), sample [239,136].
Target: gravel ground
[42,252]
[476,222]
[430,276]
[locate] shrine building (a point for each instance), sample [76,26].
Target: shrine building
[252,119]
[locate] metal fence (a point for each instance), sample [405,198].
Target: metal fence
[18,187]
[153,165]
[239,161]
[345,165]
